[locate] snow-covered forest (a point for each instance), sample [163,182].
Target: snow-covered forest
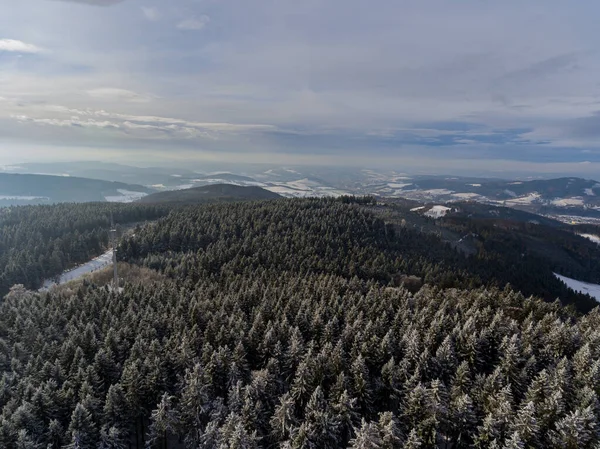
[290,324]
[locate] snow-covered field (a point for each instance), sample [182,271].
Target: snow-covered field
[303,188]
[296,189]
[592,237]
[437,211]
[575,201]
[127,196]
[590,192]
[531,198]
[24,198]
[438,192]
[93,265]
[584,287]
[466,195]
[415,209]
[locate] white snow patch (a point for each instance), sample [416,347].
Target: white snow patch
[466,195]
[474,185]
[589,192]
[592,237]
[510,193]
[583,287]
[414,209]
[176,176]
[439,191]
[93,265]
[64,175]
[516,183]
[563,202]
[437,211]
[24,198]
[305,188]
[394,185]
[127,196]
[532,197]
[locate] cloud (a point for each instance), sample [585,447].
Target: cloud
[95,2]
[115,94]
[16,46]
[139,126]
[151,13]
[194,23]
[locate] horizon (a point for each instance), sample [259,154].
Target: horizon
[505,89]
[252,169]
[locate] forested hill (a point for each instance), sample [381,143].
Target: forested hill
[284,324]
[330,236]
[40,242]
[59,189]
[211,194]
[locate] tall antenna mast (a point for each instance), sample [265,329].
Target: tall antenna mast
[113,233]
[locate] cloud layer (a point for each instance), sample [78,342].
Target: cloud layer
[337,80]
[95,2]
[16,46]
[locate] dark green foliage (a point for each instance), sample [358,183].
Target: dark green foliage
[278,327]
[40,242]
[211,193]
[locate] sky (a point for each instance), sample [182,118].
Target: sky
[412,85]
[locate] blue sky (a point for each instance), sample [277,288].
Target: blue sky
[427,84]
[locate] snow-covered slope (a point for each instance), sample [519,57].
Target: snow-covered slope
[93,265]
[584,287]
[437,211]
[127,196]
[592,237]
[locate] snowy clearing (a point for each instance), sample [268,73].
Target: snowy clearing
[592,237]
[417,208]
[583,287]
[531,198]
[576,201]
[93,265]
[474,185]
[127,196]
[589,192]
[437,211]
[510,193]
[438,192]
[466,195]
[395,185]
[24,198]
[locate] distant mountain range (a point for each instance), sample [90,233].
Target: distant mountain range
[19,189]
[552,197]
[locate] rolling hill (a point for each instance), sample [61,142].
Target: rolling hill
[211,193]
[19,189]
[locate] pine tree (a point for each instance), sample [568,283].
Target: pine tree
[391,435]
[367,437]
[284,420]
[82,430]
[413,441]
[24,441]
[525,424]
[579,429]
[112,438]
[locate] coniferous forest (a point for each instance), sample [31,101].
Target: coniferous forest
[39,242]
[294,324]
